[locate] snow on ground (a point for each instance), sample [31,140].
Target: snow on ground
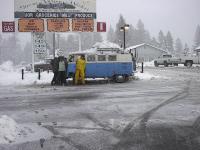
[146,76]
[11,132]
[11,75]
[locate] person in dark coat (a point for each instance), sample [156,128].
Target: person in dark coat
[54,64]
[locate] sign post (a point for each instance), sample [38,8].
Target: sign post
[38,45]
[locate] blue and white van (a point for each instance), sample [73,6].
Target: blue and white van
[115,66]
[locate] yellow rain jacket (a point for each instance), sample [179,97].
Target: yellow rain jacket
[80,71]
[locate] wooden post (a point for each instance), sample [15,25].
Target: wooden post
[22,74]
[142,68]
[39,74]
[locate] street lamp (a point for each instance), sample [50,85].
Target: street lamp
[124,28]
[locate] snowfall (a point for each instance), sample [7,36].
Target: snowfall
[110,103]
[10,131]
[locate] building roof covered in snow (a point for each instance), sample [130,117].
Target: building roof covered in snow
[105,44]
[144,44]
[198,48]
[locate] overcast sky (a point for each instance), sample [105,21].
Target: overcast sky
[181,17]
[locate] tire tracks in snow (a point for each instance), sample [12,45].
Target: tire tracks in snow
[135,132]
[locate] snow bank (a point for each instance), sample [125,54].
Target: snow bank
[11,132]
[12,76]
[8,130]
[146,76]
[146,64]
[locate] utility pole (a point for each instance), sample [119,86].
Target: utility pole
[54,44]
[79,41]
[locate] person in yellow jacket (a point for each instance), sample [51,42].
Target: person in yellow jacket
[80,70]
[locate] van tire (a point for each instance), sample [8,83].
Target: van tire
[189,64]
[156,64]
[165,64]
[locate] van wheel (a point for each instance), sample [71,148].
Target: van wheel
[189,64]
[156,64]
[175,64]
[165,64]
[119,78]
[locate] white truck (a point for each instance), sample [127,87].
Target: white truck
[166,60]
[189,60]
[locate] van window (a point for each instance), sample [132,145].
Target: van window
[112,58]
[101,57]
[91,58]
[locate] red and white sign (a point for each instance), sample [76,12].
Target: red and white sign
[8,26]
[101,27]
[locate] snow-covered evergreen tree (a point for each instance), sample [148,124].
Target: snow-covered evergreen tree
[169,43]
[178,47]
[119,34]
[140,32]
[161,40]
[186,50]
[197,37]
[154,42]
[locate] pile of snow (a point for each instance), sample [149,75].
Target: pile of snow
[145,76]
[8,130]
[12,76]
[146,64]
[11,132]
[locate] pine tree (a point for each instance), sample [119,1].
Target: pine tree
[131,36]
[197,37]
[162,40]
[147,38]
[140,32]
[154,42]
[118,34]
[178,47]
[186,49]
[169,43]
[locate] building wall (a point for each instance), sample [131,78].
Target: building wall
[147,53]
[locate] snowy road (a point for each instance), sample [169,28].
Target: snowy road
[154,114]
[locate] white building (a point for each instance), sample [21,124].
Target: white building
[145,52]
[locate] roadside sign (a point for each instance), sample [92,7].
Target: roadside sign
[55,8]
[101,27]
[58,25]
[83,25]
[8,26]
[51,10]
[31,25]
[39,42]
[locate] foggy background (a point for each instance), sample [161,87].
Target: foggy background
[177,19]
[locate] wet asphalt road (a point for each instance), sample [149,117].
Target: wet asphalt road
[157,114]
